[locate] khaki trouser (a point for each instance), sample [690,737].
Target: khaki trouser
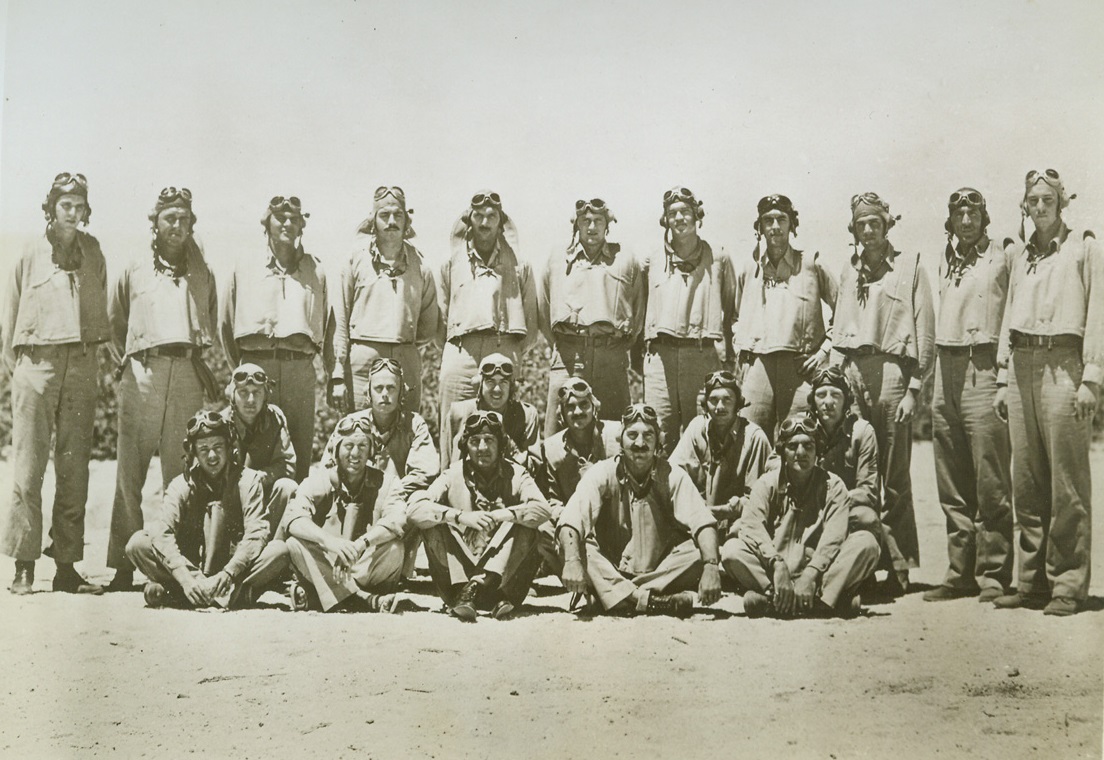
[376,570]
[277,497]
[1053,486]
[773,388]
[156,398]
[674,374]
[511,554]
[361,355]
[886,383]
[601,362]
[265,572]
[460,360]
[680,570]
[294,384]
[972,458]
[53,389]
[856,561]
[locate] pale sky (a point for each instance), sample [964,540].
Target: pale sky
[546,103]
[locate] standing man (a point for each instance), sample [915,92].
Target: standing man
[387,307]
[691,292]
[789,554]
[723,453]
[346,527]
[54,319]
[488,299]
[261,431]
[591,305]
[1052,344]
[779,332]
[209,547]
[479,519]
[885,326]
[637,533]
[276,313]
[163,311]
[972,451]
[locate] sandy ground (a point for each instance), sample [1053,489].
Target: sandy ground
[97,677]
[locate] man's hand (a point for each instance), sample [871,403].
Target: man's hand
[221,584]
[339,395]
[1084,407]
[709,588]
[815,361]
[783,589]
[805,591]
[724,512]
[196,592]
[478,520]
[574,576]
[502,515]
[906,407]
[347,551]
[1000,404]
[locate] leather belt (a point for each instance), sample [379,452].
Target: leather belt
[860,351]
[664,339]
[177,351]
[598,341]
[1066,340]
[281,354]
[978,348]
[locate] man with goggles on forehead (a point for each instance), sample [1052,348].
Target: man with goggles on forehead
[479,520]
[163,310]
[723,453]
[55,317]
[971,446]
[209,546]
[1051,355]
[277,313]
[884,327]
[560,460]
[591,305]
[690,292]
[779,332]
[263,439]
[789,555]
[387,307]
[636,533]
[400,439]
[496,391]
[345,527]
[488,299]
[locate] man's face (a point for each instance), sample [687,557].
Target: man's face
[249,399]
[174,225]
[871,230]
[352,454]
[720,405]
[284,226]
[799,454]
[496,391]
[966,224]
[681,219]
[829,403]
[390,221]
[211,453]
[639,443]
[69,211]
[1042,205]
[578,413]
[483,450]
[592,229]
[486,224]
[775,226]
[383,394]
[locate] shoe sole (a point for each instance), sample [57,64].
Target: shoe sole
[504,611]
[464,612]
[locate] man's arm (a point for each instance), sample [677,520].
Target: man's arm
[423,463]
[529,305]
[444,294]
[429,314]
[255,519]
[544,310]
[118,314]
[226,320]
[11,315]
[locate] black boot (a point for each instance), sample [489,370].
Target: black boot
[24,577]
[70,581]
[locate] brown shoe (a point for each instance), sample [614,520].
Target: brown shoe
[123,581]
[24,578]
[68,580]
[465,602]
[680,605]
[1015,601]
[1062,606]
[757,605]
[989,594]
[946,593]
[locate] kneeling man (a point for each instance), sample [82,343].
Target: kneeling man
[629,531]
[209,548]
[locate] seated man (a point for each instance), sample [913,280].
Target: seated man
[793,527]
[639,519]
[560,460]
[723,453]
[400,439]
[479,521]
[345,528]
[495,392]
[263,438]
[210,546]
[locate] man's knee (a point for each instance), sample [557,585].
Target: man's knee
[863,519]
[140,548]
